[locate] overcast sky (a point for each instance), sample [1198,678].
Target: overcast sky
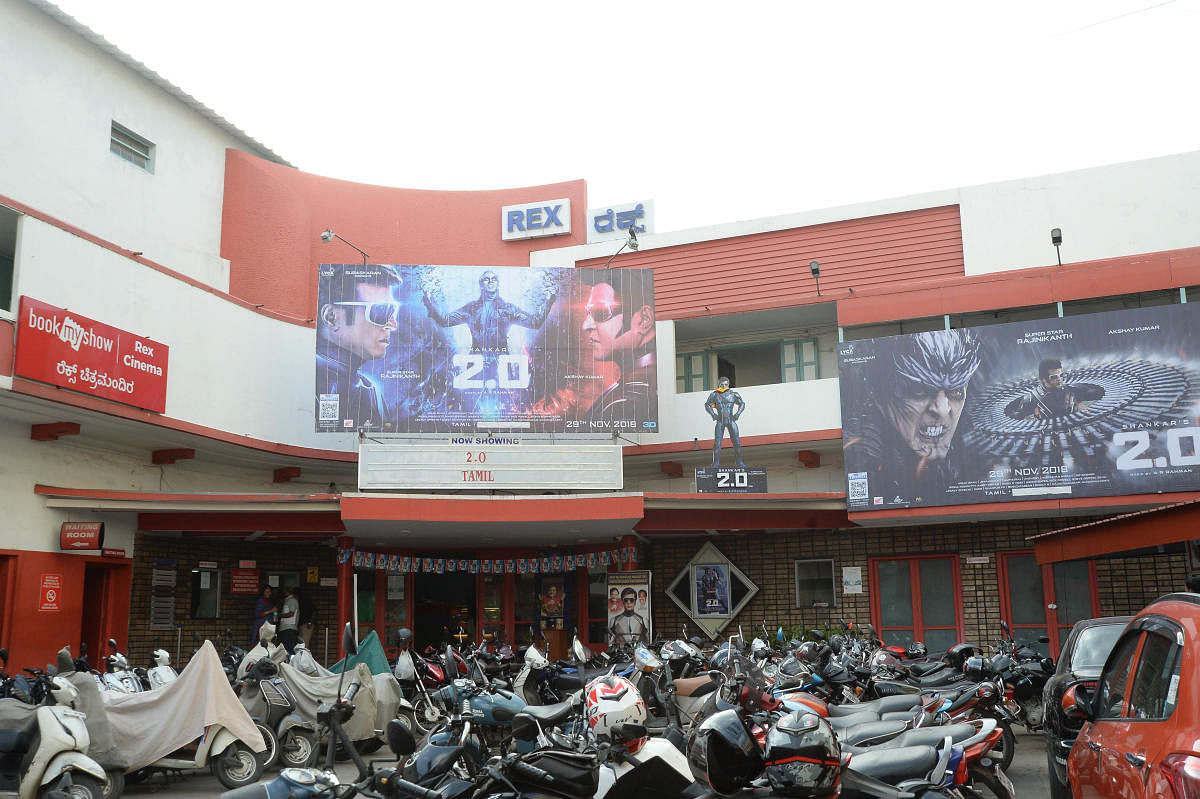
[717,115]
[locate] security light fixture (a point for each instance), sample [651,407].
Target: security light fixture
[327,235]
[631,243]
[1056,240]
[815,268]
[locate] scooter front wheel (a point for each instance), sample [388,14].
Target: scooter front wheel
[270,755]
[82,786]
[237,766]
[298,749]
[114,786]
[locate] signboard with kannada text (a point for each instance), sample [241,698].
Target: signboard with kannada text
[68,350]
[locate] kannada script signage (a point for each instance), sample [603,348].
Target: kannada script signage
[65,349]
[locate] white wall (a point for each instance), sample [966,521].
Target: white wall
[60,97]
[1104,212]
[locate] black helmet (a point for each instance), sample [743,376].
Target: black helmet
[957,655]
[403,637]
[917,649]
[802,756]
[723,754]
[977,668]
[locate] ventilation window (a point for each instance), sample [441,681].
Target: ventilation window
[132,147]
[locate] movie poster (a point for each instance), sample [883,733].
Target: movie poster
[1081,406]
[629,617]
[468,349]
[711,585]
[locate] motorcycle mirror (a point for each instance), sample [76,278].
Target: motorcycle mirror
[817,635]
[82,650]
[4,656]
[348,642]
[400,739]
[112,643]
[524,728]
[1004,625]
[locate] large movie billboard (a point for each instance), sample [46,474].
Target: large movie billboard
[466,349]
[1100,405]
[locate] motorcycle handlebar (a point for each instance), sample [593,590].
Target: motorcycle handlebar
[351,691]
[532,772]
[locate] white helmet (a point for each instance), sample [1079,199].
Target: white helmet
[162,657]
[610,702]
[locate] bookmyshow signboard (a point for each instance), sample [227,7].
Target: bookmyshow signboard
[66,349]
[1097,405]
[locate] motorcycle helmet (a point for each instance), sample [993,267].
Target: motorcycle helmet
[723,754]
[957,655]
[162,657]
[809,652]
[802,756]
[759,648]
[976,668]
[404,637]
[611,701]
[917,649]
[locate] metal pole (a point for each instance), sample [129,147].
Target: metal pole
[326,660]
[354,606]
[178,643]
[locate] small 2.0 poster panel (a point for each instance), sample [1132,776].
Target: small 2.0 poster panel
[630,620]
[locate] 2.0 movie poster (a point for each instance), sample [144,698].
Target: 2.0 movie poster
[467,349]
[1097,405]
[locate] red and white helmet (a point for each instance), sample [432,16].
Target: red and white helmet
[610,702]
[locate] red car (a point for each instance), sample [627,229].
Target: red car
[1141,736]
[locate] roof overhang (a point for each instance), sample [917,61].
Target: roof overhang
[1150,527]
[408,520]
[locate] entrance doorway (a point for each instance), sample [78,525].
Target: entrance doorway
[95,595]
[444,602]
[1046,600]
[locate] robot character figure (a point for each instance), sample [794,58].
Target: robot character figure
[489,319]
[725,406]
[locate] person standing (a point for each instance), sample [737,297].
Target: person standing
[289,619]
[264,611]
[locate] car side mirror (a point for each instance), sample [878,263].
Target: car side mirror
[349,644]
[1077,703]
[400,739]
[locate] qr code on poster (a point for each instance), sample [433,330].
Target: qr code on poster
[857,485]
[327,407]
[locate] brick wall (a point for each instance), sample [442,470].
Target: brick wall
[1125,585]
[236,610]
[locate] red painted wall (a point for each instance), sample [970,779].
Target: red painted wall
[273,216]
[1037,286]
[770,270]
[33,636]
[7,343]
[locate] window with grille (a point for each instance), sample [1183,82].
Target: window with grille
[132,147]
[814,584]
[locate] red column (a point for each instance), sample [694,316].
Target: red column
[345,577]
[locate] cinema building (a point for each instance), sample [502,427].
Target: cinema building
[164,455]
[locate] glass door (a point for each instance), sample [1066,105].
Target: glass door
[1040,600]
[910,601]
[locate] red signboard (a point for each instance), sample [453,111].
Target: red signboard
[112,553]
[50,593]
[65,349]
[81,535]
[245,581]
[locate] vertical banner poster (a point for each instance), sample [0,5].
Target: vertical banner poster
[630,620]
[1082,406]
[464,349]
[710,586]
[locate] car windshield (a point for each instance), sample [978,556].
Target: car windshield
[1093,646]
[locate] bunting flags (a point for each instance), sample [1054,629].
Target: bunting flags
[553,564]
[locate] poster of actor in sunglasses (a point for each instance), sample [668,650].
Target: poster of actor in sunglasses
[1085,405]
[631,622]
[355,322]
[618,323]
[476,349]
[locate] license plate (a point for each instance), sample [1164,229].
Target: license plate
[1003,779]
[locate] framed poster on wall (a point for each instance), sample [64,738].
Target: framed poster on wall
[629,616]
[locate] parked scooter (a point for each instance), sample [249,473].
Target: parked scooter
[161,672]
[117,675]
[43,749]
[292,738]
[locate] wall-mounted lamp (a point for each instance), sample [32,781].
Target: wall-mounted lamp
[631,243]
[327,235]
[1056,240]
[815,268]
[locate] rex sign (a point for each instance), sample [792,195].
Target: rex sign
[65,349]
[533,220]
